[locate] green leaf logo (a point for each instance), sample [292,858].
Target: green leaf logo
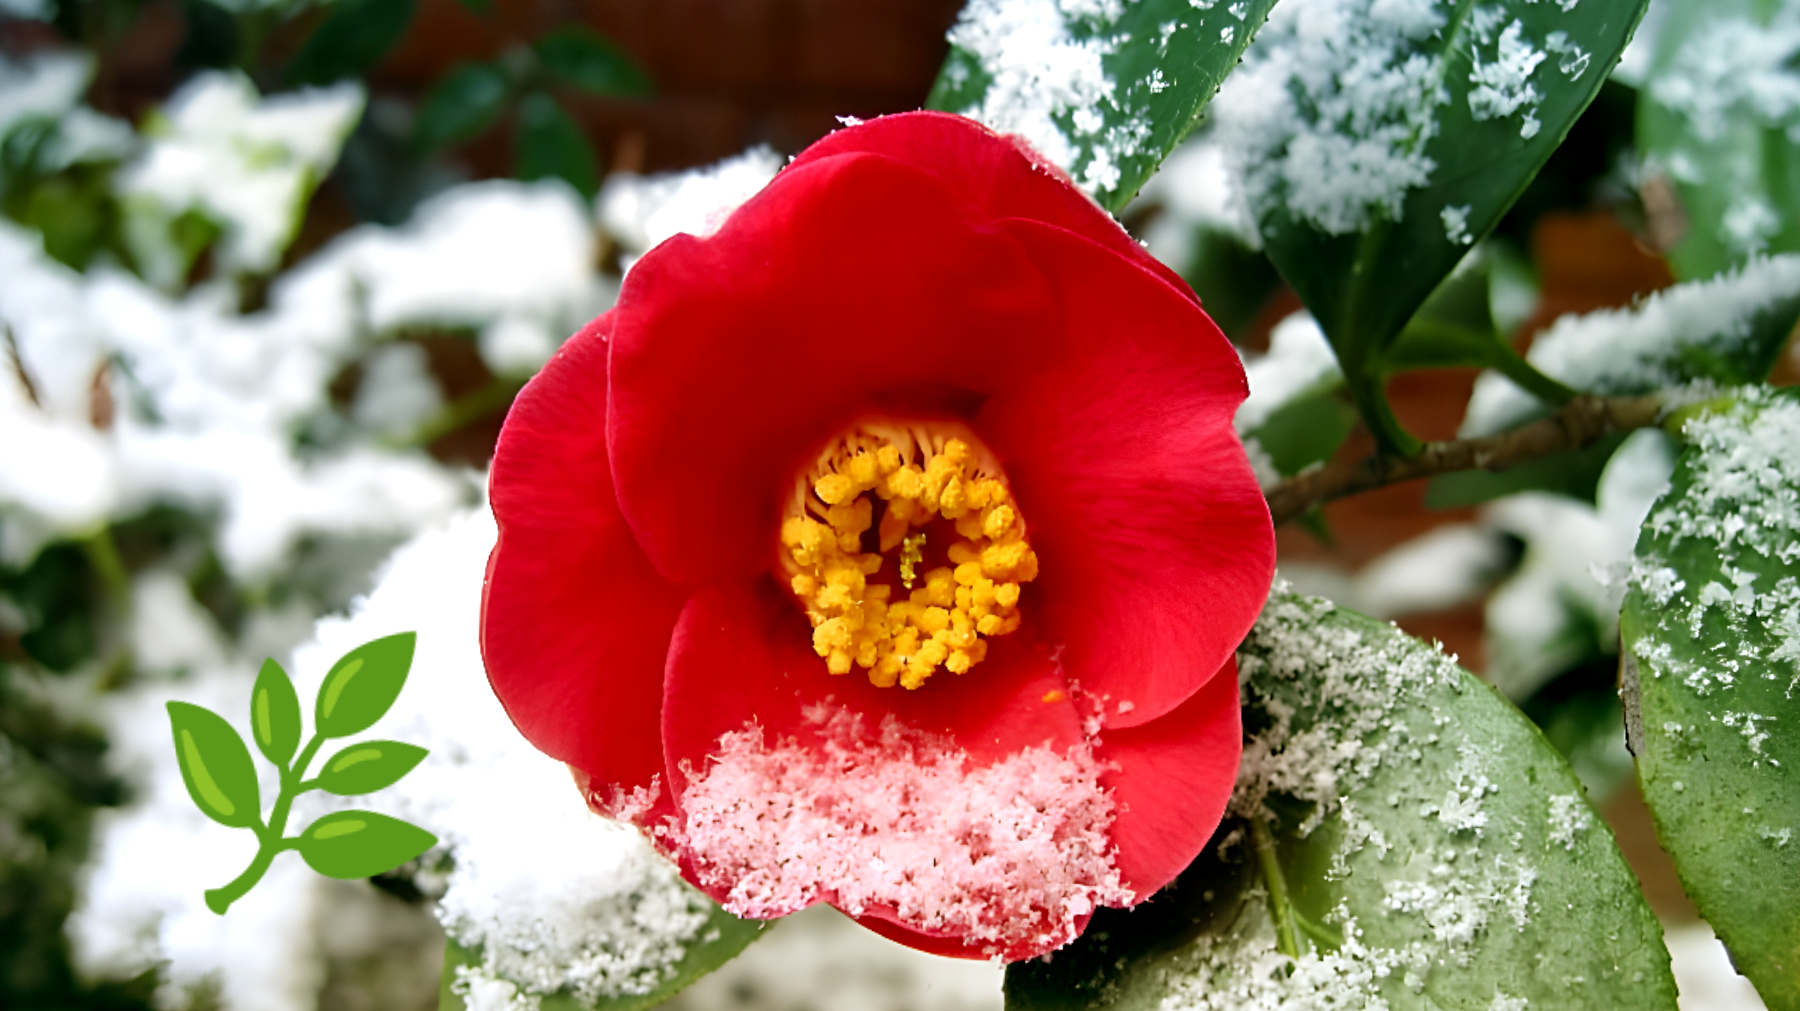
[363,684]
[369,766]
[275,714]
[361,844]
[221,776]
[216,766]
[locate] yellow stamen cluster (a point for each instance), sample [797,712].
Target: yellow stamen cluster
[949,609]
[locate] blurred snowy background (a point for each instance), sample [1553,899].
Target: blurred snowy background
[270,273]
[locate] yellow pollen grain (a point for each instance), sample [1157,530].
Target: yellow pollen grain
[944,617]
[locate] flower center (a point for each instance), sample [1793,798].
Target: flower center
[931,497]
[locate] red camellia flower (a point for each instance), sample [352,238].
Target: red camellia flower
[888,547]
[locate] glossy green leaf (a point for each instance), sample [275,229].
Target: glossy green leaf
[351,38]
[1421,847]
[1368,194]
[462,104]
[1711,680]
[720,940]
[584,59]
[1707,128]
[1455,329]
[1307,429]
[275,714]
[362,685]
[553,146]
[368,766]
[1121,84]
[216,766]
[360,844]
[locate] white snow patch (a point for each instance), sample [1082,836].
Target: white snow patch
[642,211]
[1298,362]
[1009,855]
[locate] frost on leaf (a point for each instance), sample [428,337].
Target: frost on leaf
[1711,630]
[1048,82]
[1332,109]
[1435,852]
[1736,320]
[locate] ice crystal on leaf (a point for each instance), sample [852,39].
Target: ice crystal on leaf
[1330,112]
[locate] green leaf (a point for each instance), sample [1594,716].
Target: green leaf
[1307,429]
[275,714]
[369,766]
[1159,60]
[1711,680]
[352,37]
[1449,170]
[1455,329]
[1703,127]
[1433,851]
[585,59]
[721,938]
[216,766]
[462,104]
[553,146]
[360,844]
[363,684]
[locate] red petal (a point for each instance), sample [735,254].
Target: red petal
[931,944]
[1155,543]
[1172,780]
[575,622]
[849,283]
[1001,176]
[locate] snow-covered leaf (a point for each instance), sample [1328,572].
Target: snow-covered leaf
[1727,330]
[1103,88]
[1712,670]
[723,936]
[1296,414]
[1379,140]
[1719,121]
[1433,849]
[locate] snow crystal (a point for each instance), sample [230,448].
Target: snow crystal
[1010,855]
[1299,361]
[1330,112]
[642,211]
[1046,64]
[1734,73]
[1569,818]
[1456,224]
[1503,86]
[1637,349]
